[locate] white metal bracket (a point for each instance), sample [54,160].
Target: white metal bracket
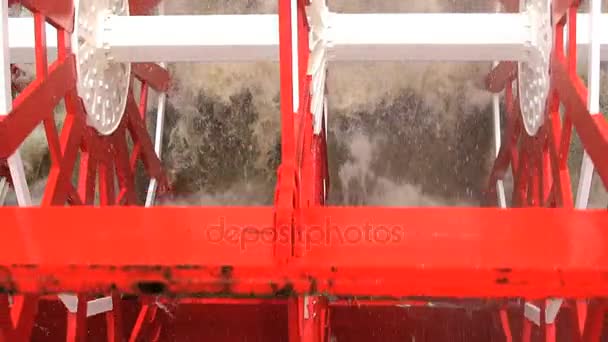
[94,307]
[532,312]
[319,20]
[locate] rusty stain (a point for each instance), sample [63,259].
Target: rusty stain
[142,268]
[502,280]
[111,268]
[334,269]
[151,287]
[6,277]
[227,270]
[286,291]
[313,285]
[188,267]
[226,275]
[11,289]
[27,266]
[167,274]
[126,296]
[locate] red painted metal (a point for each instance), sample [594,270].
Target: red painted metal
[26,115]
[60,13]
[105,157]
[286,197]
[539,164]
[16,323]
[510,6]
[142,7]
[544,158]
[475,258]
[156,77]
[5,171]
[501,75]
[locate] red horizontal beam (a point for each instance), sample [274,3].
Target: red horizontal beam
[430,252]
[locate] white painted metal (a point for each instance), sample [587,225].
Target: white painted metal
[103,83]
[439,37]
[21,40]
[15,163]
[500,188]
[532,312]
[158,143]
[318,14]
[94,307]
[587,168]
[158,136]
[458,37]
[162,38]
[295,67]
[533,81]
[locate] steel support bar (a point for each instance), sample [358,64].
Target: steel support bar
[349,252]
[439,37]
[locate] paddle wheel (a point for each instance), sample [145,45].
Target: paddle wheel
[89,264]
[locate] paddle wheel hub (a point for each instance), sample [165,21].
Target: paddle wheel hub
[103,84]
[534,73]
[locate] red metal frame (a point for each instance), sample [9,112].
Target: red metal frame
[104,157]
[540,164]
[229,251]
[320,262]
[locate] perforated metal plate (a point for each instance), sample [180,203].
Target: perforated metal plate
[103,84]
[534,78]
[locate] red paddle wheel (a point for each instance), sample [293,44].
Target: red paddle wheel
[299,270]
[100,159]
[537,153]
